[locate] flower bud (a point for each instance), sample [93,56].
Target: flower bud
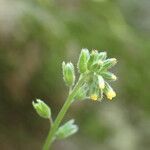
[110,93]
[68,73]
[81,93]
[101,82]
[42,109]
[108,63]
[83,59]
[94,91]
[96,66]
[93,59]
[94,97]
[66,130]
[109,76]
[102,55]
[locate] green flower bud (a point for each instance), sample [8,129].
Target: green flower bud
[94,89]
[96,66]
[109,92]
[66,130]
[68,73]
[83,59]
[108,63]
[102,55]
[109,76]
[101,82]
[93,59]
[82,92]
[42,109]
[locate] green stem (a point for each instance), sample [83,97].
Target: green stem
[61,115]
[51,121]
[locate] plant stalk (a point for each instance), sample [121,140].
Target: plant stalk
[61,114]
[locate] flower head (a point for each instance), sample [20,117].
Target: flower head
[97,70]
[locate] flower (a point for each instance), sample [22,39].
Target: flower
[97,69]
[110,95]
[94,97]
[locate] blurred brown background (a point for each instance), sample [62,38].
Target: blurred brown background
[37,35]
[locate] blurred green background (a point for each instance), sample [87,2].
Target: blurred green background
[37,35]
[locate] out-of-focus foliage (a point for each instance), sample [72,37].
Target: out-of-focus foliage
[36,36]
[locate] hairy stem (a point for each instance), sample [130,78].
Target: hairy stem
[61,114]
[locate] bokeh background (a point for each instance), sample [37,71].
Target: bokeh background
[37,35]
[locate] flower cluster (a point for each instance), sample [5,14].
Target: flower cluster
[92,84]
[94,68]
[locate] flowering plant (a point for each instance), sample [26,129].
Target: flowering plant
[93,83]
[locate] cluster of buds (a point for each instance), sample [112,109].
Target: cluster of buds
[93,84]
[94,67]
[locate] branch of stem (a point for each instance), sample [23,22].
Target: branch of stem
[54,127]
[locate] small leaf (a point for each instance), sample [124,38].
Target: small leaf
[66,130]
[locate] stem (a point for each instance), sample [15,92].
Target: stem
[61,115]
[51,121]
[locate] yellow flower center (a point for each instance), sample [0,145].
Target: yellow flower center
[94,97]
[111,94]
